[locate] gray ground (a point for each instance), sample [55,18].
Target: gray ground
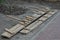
[49,30]
[52,31]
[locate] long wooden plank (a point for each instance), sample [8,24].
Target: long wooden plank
[38,22]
